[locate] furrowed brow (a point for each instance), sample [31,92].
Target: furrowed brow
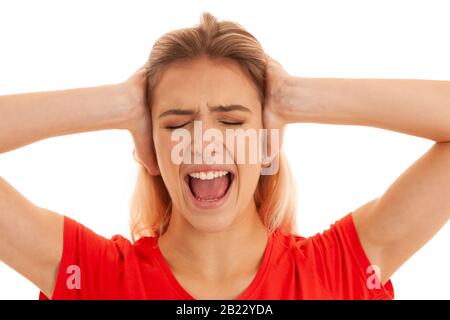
[178,112]
[229,108]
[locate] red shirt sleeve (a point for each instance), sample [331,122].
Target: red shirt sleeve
[330,265]
[89,263]
[342,265]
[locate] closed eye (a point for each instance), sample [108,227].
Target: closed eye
[177,127]
[232,123]
[228,123]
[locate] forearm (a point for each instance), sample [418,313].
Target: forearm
[416,107]
[29,117]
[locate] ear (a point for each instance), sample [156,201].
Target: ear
[144,152]
[273,143]
[150,163]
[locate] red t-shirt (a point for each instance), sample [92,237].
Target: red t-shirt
[328,265]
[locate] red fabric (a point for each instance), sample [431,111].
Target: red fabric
[328,265]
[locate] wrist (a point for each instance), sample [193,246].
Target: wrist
[129,106]
[97,108]
[291,99]
[309,100]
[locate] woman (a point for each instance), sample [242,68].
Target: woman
[223,230]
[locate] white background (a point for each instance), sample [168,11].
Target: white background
[50,45]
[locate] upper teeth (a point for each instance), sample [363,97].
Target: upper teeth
[208,175]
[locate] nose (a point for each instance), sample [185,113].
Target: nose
[207,143]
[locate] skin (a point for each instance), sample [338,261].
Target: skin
[203,246]
[391,227]
[399,222]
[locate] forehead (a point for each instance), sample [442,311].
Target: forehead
[203,81]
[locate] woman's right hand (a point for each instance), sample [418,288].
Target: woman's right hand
[139,123]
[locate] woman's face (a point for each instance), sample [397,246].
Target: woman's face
[213,187]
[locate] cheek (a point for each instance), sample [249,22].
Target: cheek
[249,177]
[163,147]
[158,142]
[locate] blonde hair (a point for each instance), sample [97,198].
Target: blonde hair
[275,194]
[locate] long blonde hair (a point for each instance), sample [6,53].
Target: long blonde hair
[275,195]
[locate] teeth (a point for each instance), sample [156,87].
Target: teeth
[208,175]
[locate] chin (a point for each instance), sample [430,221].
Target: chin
[213,222]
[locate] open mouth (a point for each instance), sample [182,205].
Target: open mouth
[209,186]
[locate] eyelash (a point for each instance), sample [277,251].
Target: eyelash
[176,127]
[237,123]
[224,122]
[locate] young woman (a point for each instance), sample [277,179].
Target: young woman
[224,230]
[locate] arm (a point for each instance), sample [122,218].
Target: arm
[29,117]
[31,236]
[398,223]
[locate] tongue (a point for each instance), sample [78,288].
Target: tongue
[209,189]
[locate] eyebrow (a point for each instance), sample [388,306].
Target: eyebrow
[220,108]
[228,108]
[177,112]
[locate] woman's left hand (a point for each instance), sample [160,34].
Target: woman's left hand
[275,105]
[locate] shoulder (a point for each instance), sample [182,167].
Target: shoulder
[81,242]
[338,243]
[337,258]
[340,230]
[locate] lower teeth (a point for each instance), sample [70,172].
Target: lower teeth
[208,200]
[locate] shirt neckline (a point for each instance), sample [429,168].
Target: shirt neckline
[257,279]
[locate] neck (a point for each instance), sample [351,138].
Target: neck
[217,256]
